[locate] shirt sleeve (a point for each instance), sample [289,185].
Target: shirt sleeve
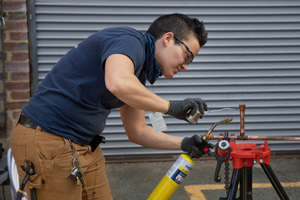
[127,45]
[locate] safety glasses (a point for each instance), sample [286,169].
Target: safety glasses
[190,57]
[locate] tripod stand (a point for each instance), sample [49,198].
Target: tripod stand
[243,156]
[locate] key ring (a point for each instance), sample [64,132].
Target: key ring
[74,155]
[77,155]
[74,151]
[76,163]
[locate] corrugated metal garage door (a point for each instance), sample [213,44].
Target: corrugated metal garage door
[252,57]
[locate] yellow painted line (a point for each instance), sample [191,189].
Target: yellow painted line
[195,191]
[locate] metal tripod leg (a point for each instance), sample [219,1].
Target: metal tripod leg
[243,177]
[246,184]
[236,174]
[275,182]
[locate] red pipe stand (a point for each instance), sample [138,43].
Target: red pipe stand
[243,156]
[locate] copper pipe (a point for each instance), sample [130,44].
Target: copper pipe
[242,119]
[272,138]
[215,137]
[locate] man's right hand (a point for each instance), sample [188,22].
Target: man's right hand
[186,107]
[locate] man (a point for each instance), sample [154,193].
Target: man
[58,130]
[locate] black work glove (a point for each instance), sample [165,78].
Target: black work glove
[183,109]
[195,146]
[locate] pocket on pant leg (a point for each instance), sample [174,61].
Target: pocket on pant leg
[36,181]
[20,153]
[54,154]
[49,149]
[49,146]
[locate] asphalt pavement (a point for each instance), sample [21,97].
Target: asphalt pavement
[136,180]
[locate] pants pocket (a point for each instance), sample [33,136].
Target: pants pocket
[36,181]
[49,146]
[22,151]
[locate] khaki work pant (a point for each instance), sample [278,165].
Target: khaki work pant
[51,156]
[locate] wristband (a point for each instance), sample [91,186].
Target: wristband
[168,107]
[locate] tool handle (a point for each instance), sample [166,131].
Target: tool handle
[20,194]
[32,193]
[220,160]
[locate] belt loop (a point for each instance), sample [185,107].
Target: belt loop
[17,121]
[38,128]
[89,148]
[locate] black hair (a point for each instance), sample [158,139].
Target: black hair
[181,25]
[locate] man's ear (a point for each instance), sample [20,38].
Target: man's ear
[167,38]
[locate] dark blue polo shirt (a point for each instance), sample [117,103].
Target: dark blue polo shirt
[72,101]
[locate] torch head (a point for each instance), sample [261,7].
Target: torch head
[208,134]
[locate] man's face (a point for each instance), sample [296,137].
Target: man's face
[176,54]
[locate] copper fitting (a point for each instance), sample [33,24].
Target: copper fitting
[242,119]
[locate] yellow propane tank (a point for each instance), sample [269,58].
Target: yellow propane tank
[173,178]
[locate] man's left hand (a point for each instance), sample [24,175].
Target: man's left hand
[195,146]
